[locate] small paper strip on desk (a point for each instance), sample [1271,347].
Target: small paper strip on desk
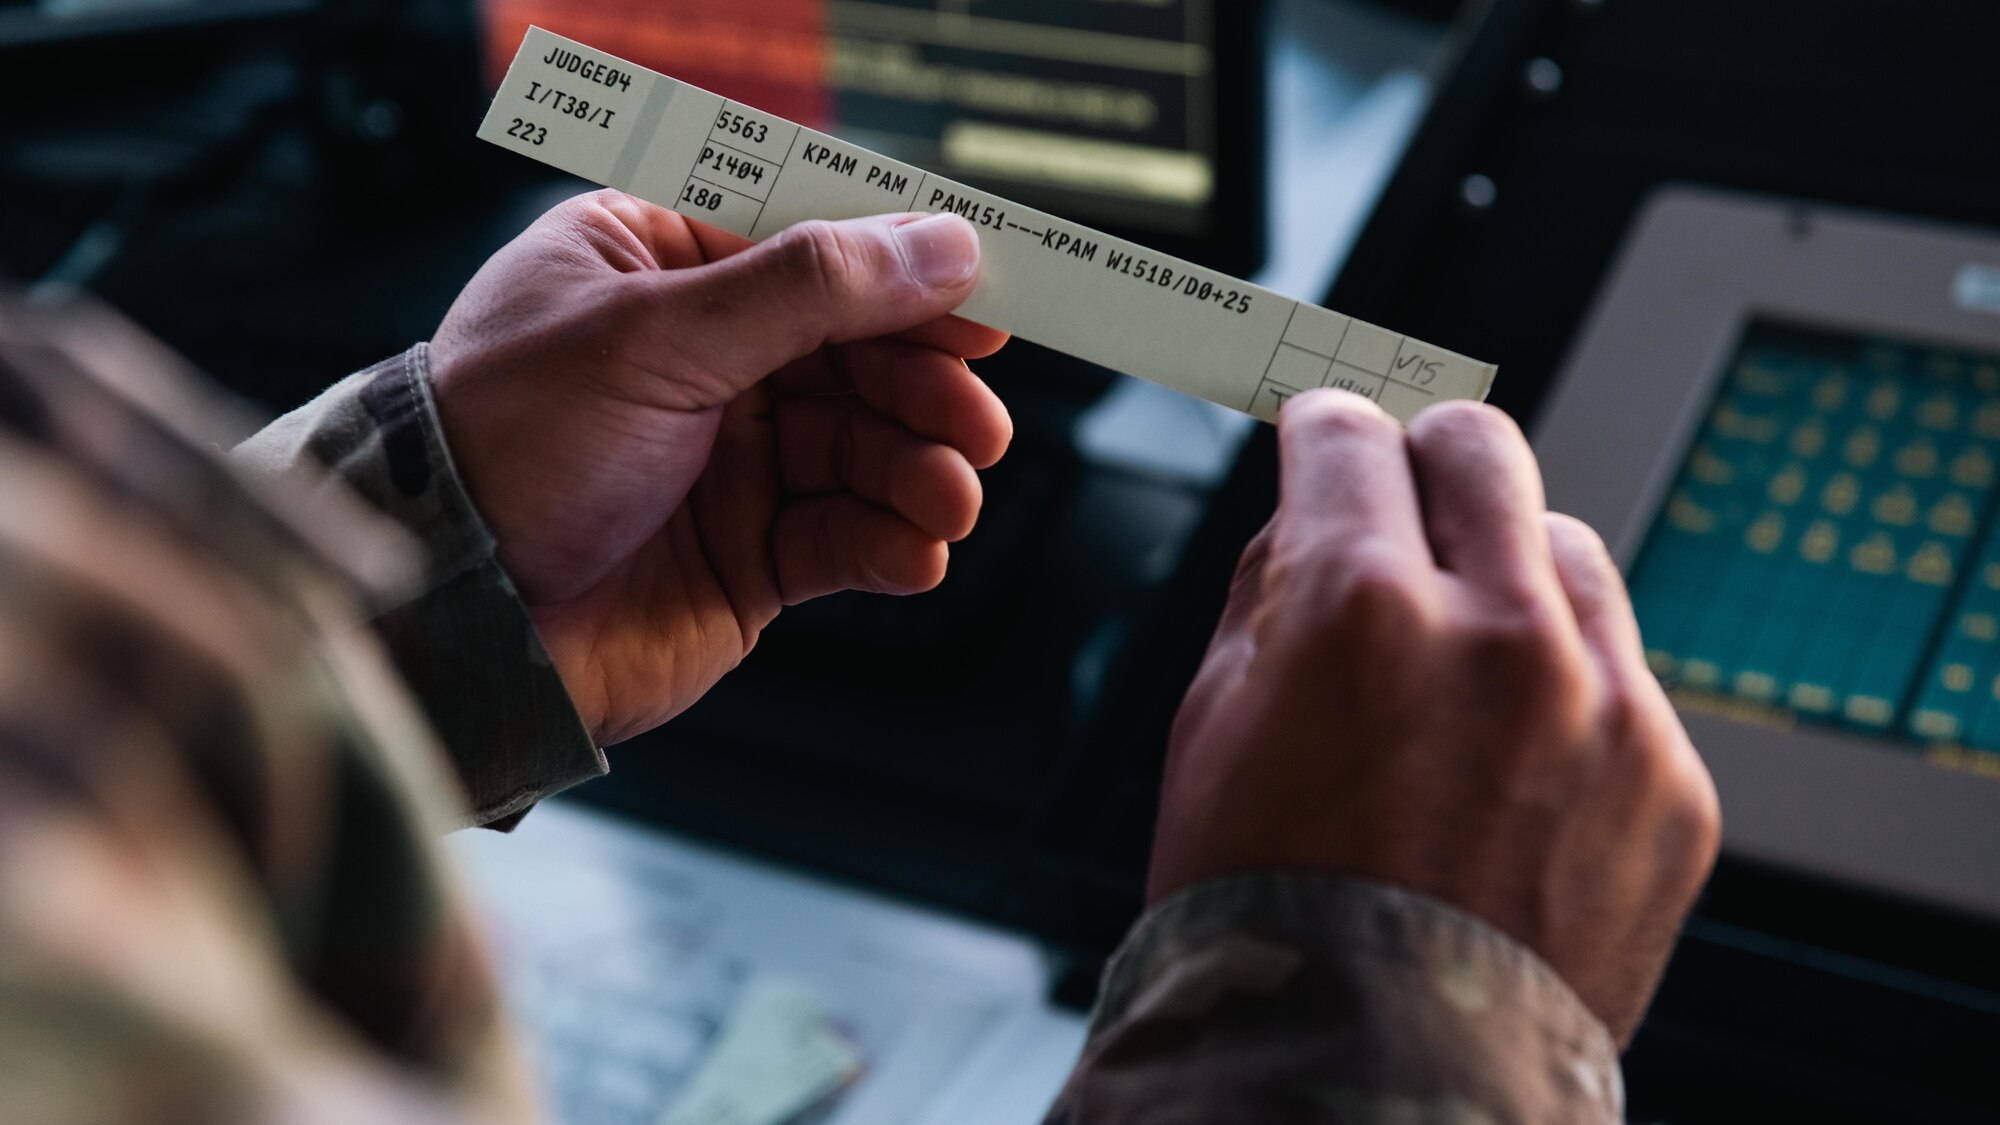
[1044,279]
[777,1058]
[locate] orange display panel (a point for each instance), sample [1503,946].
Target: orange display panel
[772,54]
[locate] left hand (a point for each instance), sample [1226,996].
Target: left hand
[674,433]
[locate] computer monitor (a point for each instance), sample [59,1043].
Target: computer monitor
[1827,545]
[1144,119]
[1785,420]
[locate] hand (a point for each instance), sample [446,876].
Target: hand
[1424,679]
[673,433]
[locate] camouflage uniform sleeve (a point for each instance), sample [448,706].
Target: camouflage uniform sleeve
[1280,999]
[465,644]
[223,893]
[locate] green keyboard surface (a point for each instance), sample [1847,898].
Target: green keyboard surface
[1829,547]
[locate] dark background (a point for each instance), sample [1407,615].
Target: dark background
[1789,999]
[295,196]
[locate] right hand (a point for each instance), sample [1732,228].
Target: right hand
[1425,679]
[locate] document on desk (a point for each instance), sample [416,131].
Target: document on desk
[1044,279]
[662,982]
[778,1057]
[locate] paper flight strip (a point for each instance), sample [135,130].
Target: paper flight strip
[1065,286]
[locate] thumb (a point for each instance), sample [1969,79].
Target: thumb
[816,283]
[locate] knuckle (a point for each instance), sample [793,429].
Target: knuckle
[607,202]
[818,252]
[1365,589]
[1538,672]
[594,216]
[1380,575]
[1525,600]
[588,205]
[1651,748]
[1465,422]
[1254,558]
[1381,605]
[825,536]
[1333,416]
[1576,543]
[1527,633]
[845,465]
[1575,533]
[1694,808]
[1624,719]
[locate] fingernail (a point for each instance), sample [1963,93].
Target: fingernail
[941,251]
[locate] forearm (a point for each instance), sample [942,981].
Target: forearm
[1277,999]
[465,644]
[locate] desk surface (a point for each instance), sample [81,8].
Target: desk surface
[623,952]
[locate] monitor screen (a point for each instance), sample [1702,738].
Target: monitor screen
[1110,114]
[1828,551]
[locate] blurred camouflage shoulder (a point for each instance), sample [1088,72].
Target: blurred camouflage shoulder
[222,893]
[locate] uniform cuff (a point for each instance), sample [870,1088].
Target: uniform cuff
[465,644]
[1313,998]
